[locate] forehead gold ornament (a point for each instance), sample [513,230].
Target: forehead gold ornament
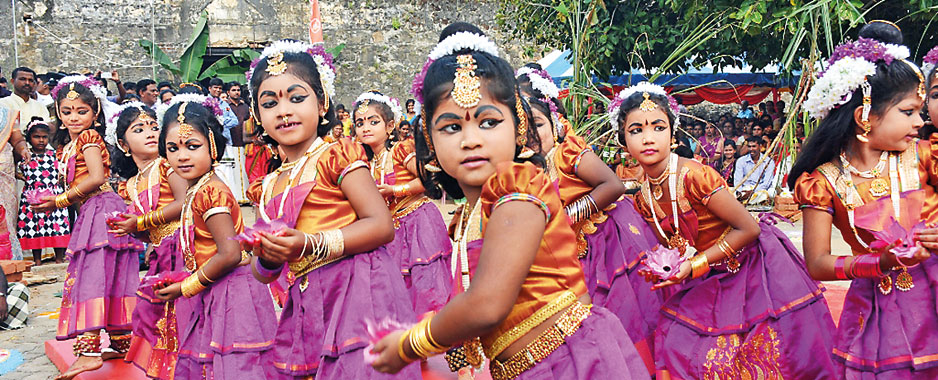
[466,84]
[363,107]
[647,104]
[185,130]
[72,94]
[275,64]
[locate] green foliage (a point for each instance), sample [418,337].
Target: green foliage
[189,68]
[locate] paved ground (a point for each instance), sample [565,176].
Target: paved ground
[44,304]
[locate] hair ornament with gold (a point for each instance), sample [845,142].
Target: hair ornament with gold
[273,54]
[456,42]
[209,102]
[107,107]
[110,131]
[466,85]
[369,97]
[646,89]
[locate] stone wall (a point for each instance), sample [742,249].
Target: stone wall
[386,40]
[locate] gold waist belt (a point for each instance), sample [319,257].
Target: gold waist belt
[102,189]
[502,342]
[161,231]
[544,345]
[406,206]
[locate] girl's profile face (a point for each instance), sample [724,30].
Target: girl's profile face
[544,129]
[370,127]
[189,157]
[648,135]
[289,109]
[142,137]
[76,115]
[469,143]
[898,126]
[39,139]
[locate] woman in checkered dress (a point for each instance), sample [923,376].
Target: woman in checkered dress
[38,230]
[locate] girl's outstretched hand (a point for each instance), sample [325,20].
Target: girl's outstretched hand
[388,361]
[681,275]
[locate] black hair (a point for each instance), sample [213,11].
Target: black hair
[144,83]
[122,164]
[164,84]
[755,139]
[386,114]
[528,88]
[889,85]
[882,31]
[200,118]
[229,85]
[304,67]
[499,82]
[633,102]
[216,82]
[190,88]
[409,102]
[544,108]
[35,127]
[24,70]
[86,96]
[397,134]
[340,107]
[130,86]
[164,92]
[130,98]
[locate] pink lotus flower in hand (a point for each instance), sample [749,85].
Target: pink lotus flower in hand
[661,263]
[376,332]
[36,196]
[158,281]
[897,239]
[252,235]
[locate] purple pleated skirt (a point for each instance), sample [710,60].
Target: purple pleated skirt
[225,329]
[322,327]
[102,274]
[893,336]
[599,349]
[614,252]
[154,346]
[421,243]
[768,320]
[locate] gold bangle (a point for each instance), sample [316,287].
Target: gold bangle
[436,346]
[158,217]
[400,348]
[78,192]
[141,223]
[699,265]
[61,200]
[192,286]
[726,249]
[205,276]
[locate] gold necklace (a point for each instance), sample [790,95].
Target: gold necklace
[317,148]
[151,178]
[185,241]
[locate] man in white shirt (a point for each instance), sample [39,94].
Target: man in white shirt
[24,84]
[757,187]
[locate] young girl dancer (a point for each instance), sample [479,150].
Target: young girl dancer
[861,163]
[339,275]
[155,193]
[522,298]
[611,236]
[226,319]
[42,230]
[102,275]
[747,307]
[420,237]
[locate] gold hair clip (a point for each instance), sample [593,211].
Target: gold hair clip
[466,84]
[363,107]
[888,23]
[144,116]
[647,104]
[921,79]
[185,130]
[275,64]
[72,94]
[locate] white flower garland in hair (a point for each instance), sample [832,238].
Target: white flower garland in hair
[543,85]
[380,98]
[110,109]
[99,91]
[110,130]
[641,87]
[326,73]
[461,41]
[834,88]
[188,98]
[897,51]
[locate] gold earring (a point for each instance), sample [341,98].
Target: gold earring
[433,166]
[866,132]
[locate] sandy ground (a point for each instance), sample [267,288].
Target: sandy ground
[44,304]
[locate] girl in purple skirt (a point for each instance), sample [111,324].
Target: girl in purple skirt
[611,236]
[328,225]
[155,193]
[861,169]
[522,300]
[225,319]
[747,307]
[420,240]
[102,273]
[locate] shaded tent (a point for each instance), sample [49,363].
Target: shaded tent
[732,85]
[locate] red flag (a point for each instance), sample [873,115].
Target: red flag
[315,25]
